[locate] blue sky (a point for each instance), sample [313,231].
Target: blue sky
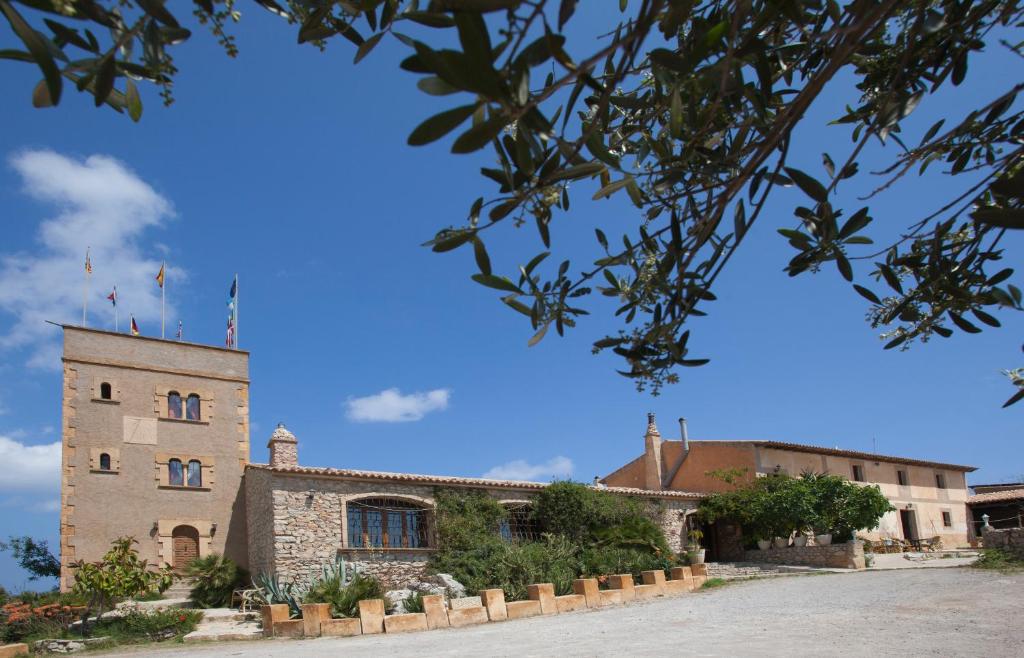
[289,167]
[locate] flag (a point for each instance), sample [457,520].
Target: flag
[232,314]
[160,276]
[179,329]
[135,327]
[113,296]
[88,263]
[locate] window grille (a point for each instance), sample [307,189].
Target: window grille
[518,526]
[386,523]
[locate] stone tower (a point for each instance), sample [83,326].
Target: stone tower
[155,442]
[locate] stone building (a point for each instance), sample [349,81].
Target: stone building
[156,446]
[155,438]
[930,497]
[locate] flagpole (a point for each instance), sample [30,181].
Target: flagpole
[115,318]
[236,310]
[85,286]
[163,297]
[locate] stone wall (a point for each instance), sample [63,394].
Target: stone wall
[848,555]
[1008,539]
[296,524]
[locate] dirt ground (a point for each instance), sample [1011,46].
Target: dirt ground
[918,612]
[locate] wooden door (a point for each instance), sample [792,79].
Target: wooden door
[186,545]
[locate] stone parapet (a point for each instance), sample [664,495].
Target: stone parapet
[489,606]
[848,555]
[1010,540]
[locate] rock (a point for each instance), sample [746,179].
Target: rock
[396,598]
[453,588]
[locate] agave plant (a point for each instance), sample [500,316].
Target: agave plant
[272,591]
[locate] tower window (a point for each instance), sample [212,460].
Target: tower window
[106,393]
[192,407]
[195,473]
[174,405]
[175,475]
[104,462]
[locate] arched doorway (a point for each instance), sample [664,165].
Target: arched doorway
[185,540]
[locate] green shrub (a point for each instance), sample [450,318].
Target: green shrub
[711,583]
[413,602]
[150,625]
[215,577]
[997,559]
[583,531]
[603,561]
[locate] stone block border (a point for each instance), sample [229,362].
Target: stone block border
[489,607]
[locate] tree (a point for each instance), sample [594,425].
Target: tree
[688,108]
[119,575]
[34,556]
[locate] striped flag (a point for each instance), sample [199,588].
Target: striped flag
[160,276]
[135,327]
[113,296]
[88,263]
[179,329]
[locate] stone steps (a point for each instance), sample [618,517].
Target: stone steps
[225,630]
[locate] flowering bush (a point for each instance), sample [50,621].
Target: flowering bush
[19,620]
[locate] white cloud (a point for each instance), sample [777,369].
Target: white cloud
[520,469]
[29,468]
[99,204]
[390,406]
[47,506]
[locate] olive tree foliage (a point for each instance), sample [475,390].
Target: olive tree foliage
[686,107]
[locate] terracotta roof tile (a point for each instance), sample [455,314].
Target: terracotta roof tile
[996,497]
[352,474]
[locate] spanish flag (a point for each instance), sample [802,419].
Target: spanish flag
[88,263]
[160,276]
[135,327]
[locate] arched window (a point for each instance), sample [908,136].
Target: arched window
[174,404]
[105,391]
[386,523]
[195,473]
[192,407]
[104,462]
[175,476]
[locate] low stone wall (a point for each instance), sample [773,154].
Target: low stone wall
[848,555]
[489,606]
[1008,539]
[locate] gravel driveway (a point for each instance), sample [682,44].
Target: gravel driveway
[934,612]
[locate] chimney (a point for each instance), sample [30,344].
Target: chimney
[652,455]
[683,435]
[284,448]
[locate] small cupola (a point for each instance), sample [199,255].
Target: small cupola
[284,447]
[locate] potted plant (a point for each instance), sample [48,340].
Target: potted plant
[764,544]
[822,538]
[800,539]
[693,550]
[781,542]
